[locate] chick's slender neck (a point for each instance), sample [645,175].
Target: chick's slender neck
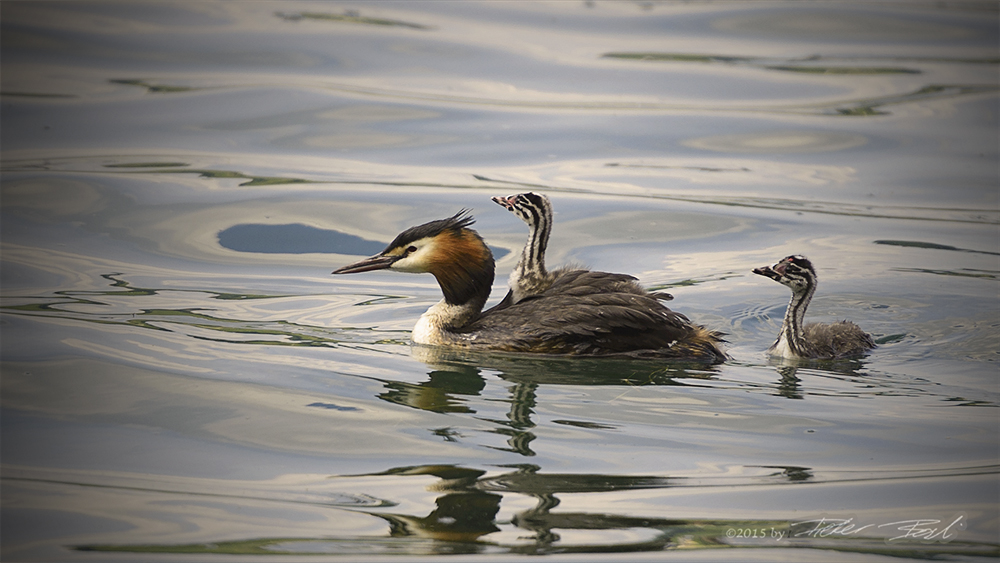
[791,329]
[533,256]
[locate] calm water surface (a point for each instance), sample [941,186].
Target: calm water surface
[182,377]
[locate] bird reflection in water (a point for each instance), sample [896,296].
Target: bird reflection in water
[462,513]
[790,384]
[440,393]
[468,506]
[458,374]
[466,512]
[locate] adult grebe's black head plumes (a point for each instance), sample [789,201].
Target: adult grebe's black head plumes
[820,341]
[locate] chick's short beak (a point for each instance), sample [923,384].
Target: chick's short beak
[767,271]
[377,262]
[507,202]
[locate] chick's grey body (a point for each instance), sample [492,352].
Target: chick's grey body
[841,339]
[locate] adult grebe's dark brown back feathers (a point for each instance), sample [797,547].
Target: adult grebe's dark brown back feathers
[598,313]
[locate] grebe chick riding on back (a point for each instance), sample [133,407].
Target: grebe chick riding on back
[530,276]
[842,339]
[581,312]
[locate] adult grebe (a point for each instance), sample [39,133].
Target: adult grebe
[842,339]
[530,276]
[582,312]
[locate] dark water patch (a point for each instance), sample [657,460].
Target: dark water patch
[958,60]
[793,63]
[169,167]
[146,165]
[295,239]
[963,402]
[584,424]
[890,338]
[128,288]
[174,167]
[666,167]
[919,244]
[349,16]
[35,95]
[843,69]
[964,272]
[934,91]
[447,433]
[333,407]
[792,473]
[692,282]
[677,57]
[152,88]
[525,184]
[760,63]
[861,111]
[253,180]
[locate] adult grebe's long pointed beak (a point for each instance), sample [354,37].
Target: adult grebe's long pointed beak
[377,262]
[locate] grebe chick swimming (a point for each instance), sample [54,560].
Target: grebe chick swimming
[530,276]
[582,312]
[842,339]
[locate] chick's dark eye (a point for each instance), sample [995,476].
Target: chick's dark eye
[411,249]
